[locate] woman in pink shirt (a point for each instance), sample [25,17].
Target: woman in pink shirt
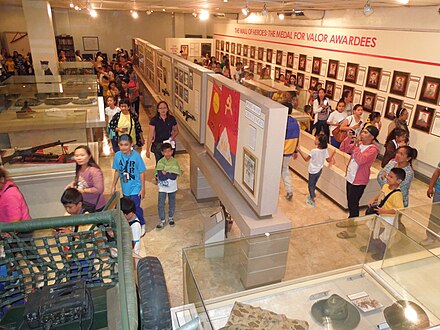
[13,206]
[89,179]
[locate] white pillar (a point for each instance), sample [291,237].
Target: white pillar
[39,24]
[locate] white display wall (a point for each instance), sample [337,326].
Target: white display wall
[407,70]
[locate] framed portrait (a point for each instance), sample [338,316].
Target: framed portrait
[393,105]
[435,130]
[217,54]
[279,58]
[252,54]
[227,46]
[185,95]
[300,79]
[90,43]
[245,61]
[260,53]
[190,80]
[330,89]
[233,47]
[316,66]
[351,72]
[332,70]
[217,44]
[176,89]
[348,88]
[181,76]
[399,83]
[373,77]
[238,59]
[222,45]
[430,90]
[176,73]
[289,63]
[245,50]
[277,73]
[238,49]
[259,67]
[181,91]
[423,118]
[185,79]
[288,74]
[232,60]
[249,170]
[269,69]
[269,54]
[251,66]
[302,62]
[313,82]
[368,101]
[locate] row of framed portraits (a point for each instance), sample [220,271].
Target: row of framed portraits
[183,82]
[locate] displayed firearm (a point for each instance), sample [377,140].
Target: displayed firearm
[31,154]
[187,115]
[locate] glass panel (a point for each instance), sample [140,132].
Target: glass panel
[413,267]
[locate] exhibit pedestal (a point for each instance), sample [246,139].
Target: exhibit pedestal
[198,183]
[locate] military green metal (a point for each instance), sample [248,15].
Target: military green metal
[34,254]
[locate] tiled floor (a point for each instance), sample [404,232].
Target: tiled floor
[167,243]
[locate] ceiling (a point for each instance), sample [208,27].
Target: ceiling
[231,6]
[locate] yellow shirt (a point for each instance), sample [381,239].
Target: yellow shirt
[125,122]
[395,201]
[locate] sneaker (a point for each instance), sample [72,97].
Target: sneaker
[428,241]
[160,225]
[289,196]
[171,222]
[310,202]
[143,231]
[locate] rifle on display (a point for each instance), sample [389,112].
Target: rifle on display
[32,154]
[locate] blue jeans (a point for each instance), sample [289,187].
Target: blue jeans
[313,180]
[139,211]
[335,143]
[171,204]
[115,144]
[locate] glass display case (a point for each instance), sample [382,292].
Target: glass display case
[303,273]
[49,109]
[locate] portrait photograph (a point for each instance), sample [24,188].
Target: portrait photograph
[181,76]
[244,61]
[277,73]
[423,118]
[351,72]
[368,101]
[222,45]
[185,95]
[399,83]
[300,77]
[217,44]
[176,73]
[185,79]
[232,60]
[251,66]
[289,63]
[279,58]
[316,67]
[330,89]
[249,170]
[238,59]
[259,67]
[269,54]
[232,47]
[313,82]
[288,74]
[245,50]
[260,53]
[190,80]
[181,91]
[373,77]
[227,46]
[302,62]
[332,70]
[393,105]
[252,54]
[238,49]
[430,90]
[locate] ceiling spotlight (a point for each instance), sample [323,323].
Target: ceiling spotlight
[163,9]
[93,13]
[149,12]
[134,14]
[403,2]
[264,12]
[204,15]
[246,10]
[281,16]
[368,10]
[76,8]
[72,5]
[194,13]
[225,0]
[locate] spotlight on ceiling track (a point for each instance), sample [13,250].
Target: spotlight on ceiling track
[264,12]
[134,14]
[281,16]
[368,10]
[93,13]
[194,13]
[204,15]
[149,12]
[246,10]
[72,5]
[403,2]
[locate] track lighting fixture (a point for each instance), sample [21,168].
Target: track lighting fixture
[93,13]
[134,14]
[194,13]
[72,5]
[368,10]
[246,10]
[149,12]
[204,15]
[281,16]
[264,12]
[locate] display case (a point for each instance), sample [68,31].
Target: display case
[49,109]
[77,68]
[296,273]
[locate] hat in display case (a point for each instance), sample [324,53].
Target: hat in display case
[406,315]
[336,311]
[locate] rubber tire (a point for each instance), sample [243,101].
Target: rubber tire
[154,303]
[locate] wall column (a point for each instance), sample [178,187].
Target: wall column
[39,24]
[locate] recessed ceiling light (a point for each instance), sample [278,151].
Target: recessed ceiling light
[281,16]
[403,2]
[163,9]
[204,15]
[72,5]
[134,14]
[93,13]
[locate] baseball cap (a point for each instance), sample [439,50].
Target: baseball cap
[373,131]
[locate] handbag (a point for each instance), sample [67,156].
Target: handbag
[371,209]
[339,135]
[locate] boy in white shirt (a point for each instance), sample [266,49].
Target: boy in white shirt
[128,207]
